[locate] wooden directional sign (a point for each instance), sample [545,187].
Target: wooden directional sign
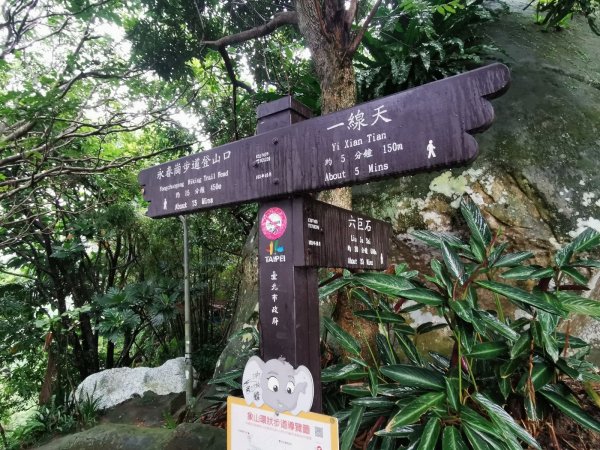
[421,129]
[336,237]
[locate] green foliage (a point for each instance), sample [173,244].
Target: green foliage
[558,13]
[499,367]
[420,41]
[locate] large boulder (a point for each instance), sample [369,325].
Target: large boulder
[187,436]
[113,386]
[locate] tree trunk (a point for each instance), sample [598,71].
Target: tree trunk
[327,34]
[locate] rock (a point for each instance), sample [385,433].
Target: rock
[113,386]
[186,436]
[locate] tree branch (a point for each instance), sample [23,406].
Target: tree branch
[361,33]
[278,20]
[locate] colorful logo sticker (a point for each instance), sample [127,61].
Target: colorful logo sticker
[274,248]
[273,223]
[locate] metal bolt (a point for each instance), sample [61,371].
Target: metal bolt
[275,180]
[275,141]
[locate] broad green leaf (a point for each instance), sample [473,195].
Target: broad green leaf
[409,349]
[480,231]
[354,422]
[575,275]
[380,316]
[343,337]
[452,439]
[570,409]
[436,239]
[488,350]
[477,421]
[386,351]
[452,392]
[565,368]
[404,328]
[373,382]
[522,345]
[477,250]
[228,378]
[503,420]
[415,409]
[477,443]
[579,305]
[384,283]
[519,273]
[443,280]
[424,296]
[338,372]
[530,406]
[592,263]
[491,322]
[430,435]
[356,389]
[453,263]
[462,310]
[373,402]
[587,240]
[428,327]
[563,256]
[362,297]
[540,376]
[401,432]
[414,376]
[522,296]
[496,253]
[332,287]
[574,342]
[512,259]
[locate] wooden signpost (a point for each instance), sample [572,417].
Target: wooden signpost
[418,130]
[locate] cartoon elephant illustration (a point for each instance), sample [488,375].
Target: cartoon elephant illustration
[276,384]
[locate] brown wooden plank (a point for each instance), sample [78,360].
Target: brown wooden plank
[421,129]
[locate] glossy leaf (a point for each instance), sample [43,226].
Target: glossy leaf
[379,316]
[522,296]
[351,430]
[452,439]
[452,392]
[512,259]
[383,283]
[575,275]
[503,420]
[453,263]
[586,240]
[424,296]
[579,305]
[488,350]
[414,376]
[492,323]
[409,349]
[343,337]
[570,409]
[332,287]
[338,372]
[415,409]
[430,435]
[480,231]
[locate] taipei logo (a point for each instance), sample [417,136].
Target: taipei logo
[274,248]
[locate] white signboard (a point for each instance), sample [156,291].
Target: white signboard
[252,428]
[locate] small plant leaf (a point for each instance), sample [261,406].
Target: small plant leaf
[343,337]
[430,435]
[386,351]
[522,296]
[424,296]
[338,372]
[453,263]
[480,231]
[373,402]
[570,409]
[491,322]
[579,305]
[414,376]
[332,287]
[452,392]
[503,420]
[354,422]
[575,275]
[488,350]
[411,412]
[587,240]
[512,259]
[409,349]
[452,439]
[380,316]
[384,283]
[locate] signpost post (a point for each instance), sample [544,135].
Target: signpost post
[421,129]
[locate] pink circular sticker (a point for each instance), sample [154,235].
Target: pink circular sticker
[273,223]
